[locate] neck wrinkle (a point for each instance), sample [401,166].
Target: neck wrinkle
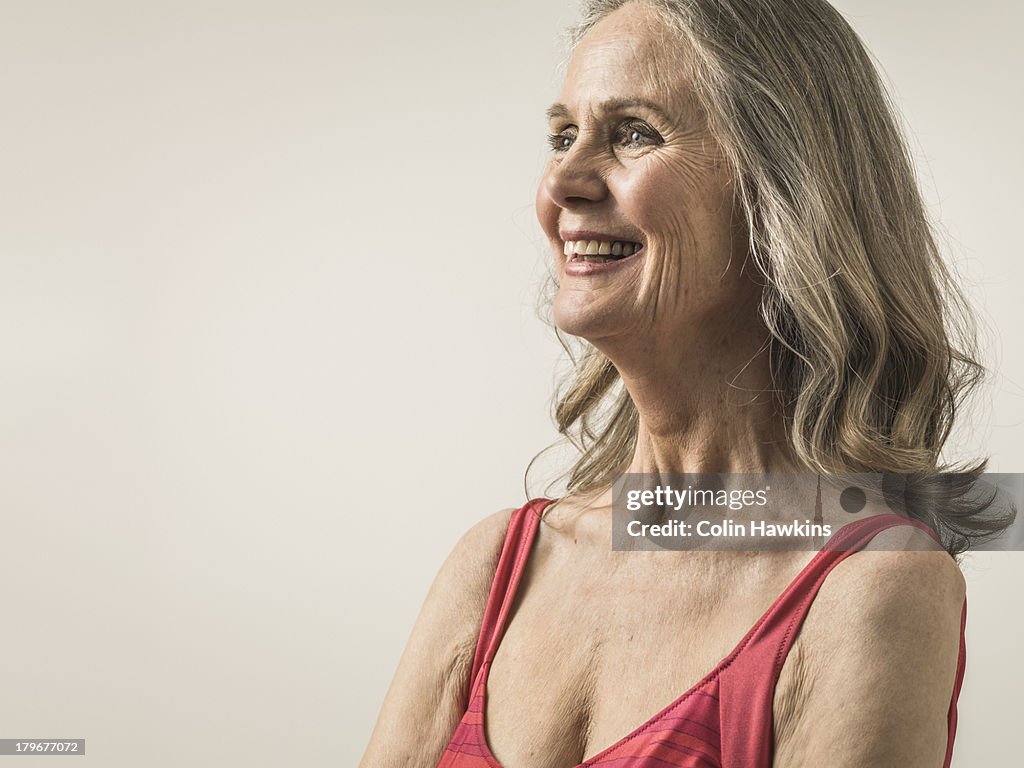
[719,417]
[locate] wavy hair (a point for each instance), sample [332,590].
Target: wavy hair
[872,344]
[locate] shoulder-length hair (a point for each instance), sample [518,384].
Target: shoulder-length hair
[872,343]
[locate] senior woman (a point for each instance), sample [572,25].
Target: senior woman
[739,242]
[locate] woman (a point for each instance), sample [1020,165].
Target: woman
[739,241]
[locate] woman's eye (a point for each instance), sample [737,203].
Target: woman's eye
[638,134]
[561,141]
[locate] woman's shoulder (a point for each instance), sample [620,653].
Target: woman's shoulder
[429,691]
[884,633]
[900,567]
[452,612]
[901,581]
[461,586]
[474,558]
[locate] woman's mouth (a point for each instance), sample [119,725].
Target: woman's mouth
[599,251]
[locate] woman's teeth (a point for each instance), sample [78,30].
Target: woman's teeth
[600,250]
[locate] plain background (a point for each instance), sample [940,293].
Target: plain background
[268,346]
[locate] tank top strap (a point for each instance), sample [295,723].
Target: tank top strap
[748,684]
[784,623]
[522,529]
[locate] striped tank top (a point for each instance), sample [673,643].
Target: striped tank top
[726,719]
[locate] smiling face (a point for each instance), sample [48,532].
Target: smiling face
[637,200]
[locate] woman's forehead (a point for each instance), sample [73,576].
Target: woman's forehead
[630,55]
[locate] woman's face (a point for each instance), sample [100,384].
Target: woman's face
[632,162]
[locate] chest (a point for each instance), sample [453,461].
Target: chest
[593,650]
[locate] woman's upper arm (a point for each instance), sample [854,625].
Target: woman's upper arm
[428,693]
[872,678]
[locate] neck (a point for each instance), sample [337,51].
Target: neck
[705,406]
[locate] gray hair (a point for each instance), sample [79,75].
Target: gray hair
[872,343]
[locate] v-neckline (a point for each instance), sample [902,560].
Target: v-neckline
[481,684]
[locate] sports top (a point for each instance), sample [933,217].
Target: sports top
[723,721]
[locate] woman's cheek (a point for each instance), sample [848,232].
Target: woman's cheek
[546,210]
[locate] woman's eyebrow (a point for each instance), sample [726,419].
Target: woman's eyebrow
[557,111]
[617,104]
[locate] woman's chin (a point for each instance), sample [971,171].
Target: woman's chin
[576,316]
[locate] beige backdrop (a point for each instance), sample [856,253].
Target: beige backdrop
[268,347]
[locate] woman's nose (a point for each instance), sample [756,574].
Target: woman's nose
[575,179]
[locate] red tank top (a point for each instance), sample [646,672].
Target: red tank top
[726,719]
